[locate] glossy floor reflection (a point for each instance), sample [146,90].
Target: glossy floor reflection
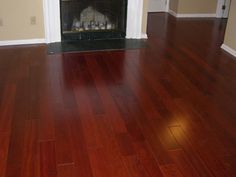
[167,110]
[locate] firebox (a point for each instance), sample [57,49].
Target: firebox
[93,19]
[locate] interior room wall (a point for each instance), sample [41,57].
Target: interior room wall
[230,39]
[16,17]
[197,6]
[174,5]
[193,6]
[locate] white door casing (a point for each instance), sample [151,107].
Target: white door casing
[52,22]
[220,13]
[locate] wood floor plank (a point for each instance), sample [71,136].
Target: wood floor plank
[4,143]
[6,108]
[199,163]
[66,170]
[79,146]
[63,142]
[31,151]
[171,170]
[17,130]
[48,166]
[102,84]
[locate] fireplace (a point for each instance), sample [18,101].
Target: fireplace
[93,19]
[53,27]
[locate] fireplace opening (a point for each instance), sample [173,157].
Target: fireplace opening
[93,19]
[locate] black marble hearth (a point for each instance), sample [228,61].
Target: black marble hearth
[96,45]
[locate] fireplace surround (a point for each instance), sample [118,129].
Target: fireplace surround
[52,20]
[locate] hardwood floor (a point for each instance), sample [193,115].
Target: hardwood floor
[167,110]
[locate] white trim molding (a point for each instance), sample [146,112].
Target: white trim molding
[167,5]
[229,49]
[20,42]
[191,15]
[52,23]
[134,19]
[220,12]
[171,12]
[196,15]
[144,36]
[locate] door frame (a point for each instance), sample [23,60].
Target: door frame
[167,5]
[220,3]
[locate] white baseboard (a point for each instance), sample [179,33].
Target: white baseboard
[229,49]
[196,15]
[191,15]
[21,42]
[171,12]
[141,36]
[144,36]
[156,11]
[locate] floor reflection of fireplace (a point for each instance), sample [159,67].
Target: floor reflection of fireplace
[93,19]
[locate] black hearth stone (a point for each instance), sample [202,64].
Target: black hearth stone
[95,35]
[96,45]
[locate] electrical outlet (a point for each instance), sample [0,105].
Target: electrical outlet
[1,22]
[33,20]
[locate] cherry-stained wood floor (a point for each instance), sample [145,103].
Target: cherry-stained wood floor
[168,110]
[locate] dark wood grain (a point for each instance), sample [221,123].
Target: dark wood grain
[48,167]
[167,110]
[4,142]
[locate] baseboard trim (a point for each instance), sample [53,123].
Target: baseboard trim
[196,15]
[192,15]
[171,12]
[22,42]
[144,36]
[156,11]
[228,49]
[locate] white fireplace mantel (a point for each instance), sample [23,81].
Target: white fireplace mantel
[53,27]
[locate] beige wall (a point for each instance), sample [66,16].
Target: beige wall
[197,6]
[16,14]
[193,6]
[230,39]
[174,5]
